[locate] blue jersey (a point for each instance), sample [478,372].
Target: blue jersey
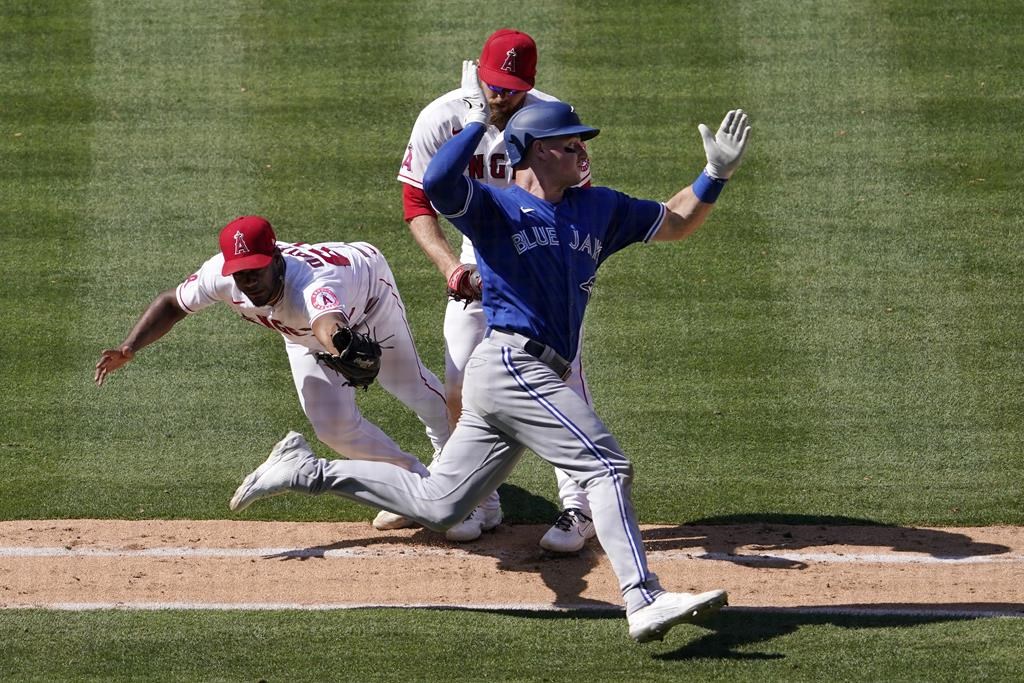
[538,260]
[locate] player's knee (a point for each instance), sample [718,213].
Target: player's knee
[621,473]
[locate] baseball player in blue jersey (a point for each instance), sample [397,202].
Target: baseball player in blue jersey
[538,251]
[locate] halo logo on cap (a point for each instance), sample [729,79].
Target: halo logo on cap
[240,247]
[509,64]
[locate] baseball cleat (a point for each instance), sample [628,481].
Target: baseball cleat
[668,609]
[471,528]
[274,476]
[569,533]
[386,521]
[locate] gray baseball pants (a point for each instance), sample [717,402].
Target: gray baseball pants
[512,400]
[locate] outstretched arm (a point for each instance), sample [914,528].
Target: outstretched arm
[443,180]
[157,320]
[691,205]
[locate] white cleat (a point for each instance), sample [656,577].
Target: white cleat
[386,521]
[471,528]
[274,476]
[569,533]
[668,609]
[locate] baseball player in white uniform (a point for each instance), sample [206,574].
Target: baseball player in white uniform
[507,69]
[304,292]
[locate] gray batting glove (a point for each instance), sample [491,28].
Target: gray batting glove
[472,95]
[724,150]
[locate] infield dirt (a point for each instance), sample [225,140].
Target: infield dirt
[75,563]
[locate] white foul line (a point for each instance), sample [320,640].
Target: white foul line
[329,554]
[316,607]
[423,551]
[597,610]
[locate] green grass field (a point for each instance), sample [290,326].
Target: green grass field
[383,645]
[845,337]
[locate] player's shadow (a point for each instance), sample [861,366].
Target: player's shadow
[514,547]
[732,632]
[764,540]
[564,575]
[752,539]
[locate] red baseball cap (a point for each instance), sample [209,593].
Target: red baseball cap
[246,243]
[509,60]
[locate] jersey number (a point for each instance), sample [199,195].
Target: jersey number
[316,256]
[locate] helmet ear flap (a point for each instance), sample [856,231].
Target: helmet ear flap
[518,151]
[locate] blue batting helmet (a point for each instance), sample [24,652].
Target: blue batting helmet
[540,121]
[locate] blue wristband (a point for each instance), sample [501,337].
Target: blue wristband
[707,188]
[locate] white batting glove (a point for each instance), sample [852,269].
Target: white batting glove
[472,95]
[724,150]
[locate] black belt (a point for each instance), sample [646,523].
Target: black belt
[538,350]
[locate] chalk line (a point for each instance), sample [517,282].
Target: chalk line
[382,551]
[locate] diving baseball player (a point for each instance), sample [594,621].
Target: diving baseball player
[507,69]
[539,251]
[306,293]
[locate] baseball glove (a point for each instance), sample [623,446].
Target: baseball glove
[465,284]
[358,359]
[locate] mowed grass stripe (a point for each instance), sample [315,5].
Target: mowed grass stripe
[965,202]
[960,326]
[172,161]
[878,320]
[46,111]
[818,80]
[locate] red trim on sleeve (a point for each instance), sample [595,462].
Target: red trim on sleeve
[415,202]
[177,294]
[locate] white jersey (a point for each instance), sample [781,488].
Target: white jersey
[331,277]
[440,121]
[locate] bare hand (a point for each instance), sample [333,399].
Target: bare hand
[110,360]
